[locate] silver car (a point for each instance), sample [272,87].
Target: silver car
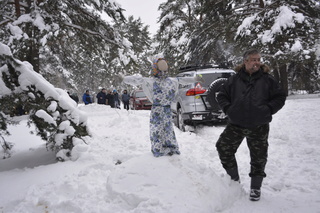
[196,103]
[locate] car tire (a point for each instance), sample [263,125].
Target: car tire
[180,122]
[213,91]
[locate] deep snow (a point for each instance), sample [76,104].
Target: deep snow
[32,181]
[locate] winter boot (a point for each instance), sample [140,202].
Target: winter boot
[255,194]
[233,174]
[255,191]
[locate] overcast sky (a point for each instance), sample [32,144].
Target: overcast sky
[147,10]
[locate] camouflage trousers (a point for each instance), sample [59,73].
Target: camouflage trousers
[257,141]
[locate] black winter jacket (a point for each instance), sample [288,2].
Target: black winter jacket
[251,100]
[102,97]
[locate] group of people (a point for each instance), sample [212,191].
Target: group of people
[249,99]
[110,98]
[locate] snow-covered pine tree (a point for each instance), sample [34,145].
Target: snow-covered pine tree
[55,115]
[178,20]
[287,32]
[137,36]
[72,43]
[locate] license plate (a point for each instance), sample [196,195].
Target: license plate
[197,117]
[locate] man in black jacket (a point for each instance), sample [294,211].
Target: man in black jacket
[110,99]
[102,96]
[249,98]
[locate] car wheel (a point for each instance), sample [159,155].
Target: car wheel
[213,91]
[180,122]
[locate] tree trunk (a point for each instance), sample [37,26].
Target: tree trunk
[33,52]
[284,77]
[275,72]
[261,4]
[36,50]
[17,6]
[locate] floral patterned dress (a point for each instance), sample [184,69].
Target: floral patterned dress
[161,91]
[162,136]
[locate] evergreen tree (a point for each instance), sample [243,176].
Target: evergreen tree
[55,115]
[178,20]
[139,40]
[210,37]
[65,38]
[195,32]
[287,32]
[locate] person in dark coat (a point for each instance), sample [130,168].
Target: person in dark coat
[74,97]
[125,97]
[102,97]
[116,99]
[249,98]
[86,98]
[110,99]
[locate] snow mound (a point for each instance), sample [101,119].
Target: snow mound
[141,181]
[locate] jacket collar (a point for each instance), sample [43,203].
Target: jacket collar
[263,67]
[247,77]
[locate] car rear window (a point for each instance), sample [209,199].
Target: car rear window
[185,75]
[140,94]
[211,77]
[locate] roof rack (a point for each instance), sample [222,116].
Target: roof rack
[199,67]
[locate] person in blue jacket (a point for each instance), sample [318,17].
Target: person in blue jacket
[86,98]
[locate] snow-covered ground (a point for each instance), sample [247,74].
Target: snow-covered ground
[32,181]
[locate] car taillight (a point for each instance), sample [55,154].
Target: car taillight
[198,89]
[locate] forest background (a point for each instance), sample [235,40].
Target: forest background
[89,44]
